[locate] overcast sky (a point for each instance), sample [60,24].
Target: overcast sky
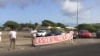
[63,11]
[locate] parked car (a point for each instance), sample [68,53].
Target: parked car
[41,33]
[98,33]
[84,34]
[53,33]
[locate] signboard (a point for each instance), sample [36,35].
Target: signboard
[52,39]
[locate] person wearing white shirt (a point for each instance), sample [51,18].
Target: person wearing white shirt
[12,35]
[72,32]
[0,36]
[33,36]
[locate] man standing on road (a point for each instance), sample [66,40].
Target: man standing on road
[12,35]
[33,36]
[0,36]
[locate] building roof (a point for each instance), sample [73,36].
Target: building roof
[70,27]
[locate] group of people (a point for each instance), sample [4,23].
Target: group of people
[13,36]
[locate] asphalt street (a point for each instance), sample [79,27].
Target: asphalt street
[77,50]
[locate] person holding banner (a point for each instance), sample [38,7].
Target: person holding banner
[72,33]
[33,36]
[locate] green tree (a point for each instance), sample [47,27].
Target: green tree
[29,25]
[22,25]
[11,24]
[86,27]
[61,25]
[97,27]
[36,25]
[48,23]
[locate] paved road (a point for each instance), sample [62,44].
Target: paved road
[72,50]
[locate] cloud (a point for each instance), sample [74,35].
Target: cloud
[19,3]
[69,8]
[3,3]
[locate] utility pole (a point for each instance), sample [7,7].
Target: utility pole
[77,17]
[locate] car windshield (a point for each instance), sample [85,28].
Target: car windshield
[40,31]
